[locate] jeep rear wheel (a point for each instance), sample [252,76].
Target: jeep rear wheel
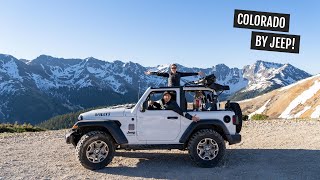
[206,148]
[95,150]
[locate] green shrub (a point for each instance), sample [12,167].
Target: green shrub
[19,128]
[259,117]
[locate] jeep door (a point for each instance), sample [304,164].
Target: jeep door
[158,125]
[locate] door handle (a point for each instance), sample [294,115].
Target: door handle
[172,117]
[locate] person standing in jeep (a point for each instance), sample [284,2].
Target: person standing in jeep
[174,76]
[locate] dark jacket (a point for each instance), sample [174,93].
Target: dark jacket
[173,79]
[171,105]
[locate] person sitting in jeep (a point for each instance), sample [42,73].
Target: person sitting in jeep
[173,76]
[166,103]
[199,99]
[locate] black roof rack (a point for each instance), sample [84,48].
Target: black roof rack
[195,86]
[164,87]
[208,82]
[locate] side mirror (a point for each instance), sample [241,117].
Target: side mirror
[144,106]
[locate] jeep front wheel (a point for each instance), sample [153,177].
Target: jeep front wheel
[206,148]
[95,150]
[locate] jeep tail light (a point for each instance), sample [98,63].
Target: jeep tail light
[235,120]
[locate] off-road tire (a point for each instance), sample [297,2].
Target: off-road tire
[92,137]
[237,110]
[199,137]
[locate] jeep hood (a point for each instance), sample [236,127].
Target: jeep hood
[104,114]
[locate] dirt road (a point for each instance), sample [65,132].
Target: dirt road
[274,149]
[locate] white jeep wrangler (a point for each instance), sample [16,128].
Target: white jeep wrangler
[98,133]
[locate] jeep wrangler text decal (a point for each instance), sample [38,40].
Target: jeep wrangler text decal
[102,114]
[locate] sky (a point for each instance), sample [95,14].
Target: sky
[153,32]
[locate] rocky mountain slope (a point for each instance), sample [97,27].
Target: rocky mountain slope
[33,91]
[298,100]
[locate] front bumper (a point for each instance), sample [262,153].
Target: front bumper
[69,137]
[234,139]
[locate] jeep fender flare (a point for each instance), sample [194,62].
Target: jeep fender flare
[204,124]
[113,128]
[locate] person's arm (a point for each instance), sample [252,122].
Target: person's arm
[183,74]
[157,74]
[175,107]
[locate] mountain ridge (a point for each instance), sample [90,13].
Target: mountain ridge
[47,86]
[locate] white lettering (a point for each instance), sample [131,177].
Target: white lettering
[275,22]
[263,21]
[240,15]
[288,43]
[269,22]
[258,41]
[264,40]
[251,21]
[257,20]
[282,22]
[281,43]
[246,19]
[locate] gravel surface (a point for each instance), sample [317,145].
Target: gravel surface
[275,149]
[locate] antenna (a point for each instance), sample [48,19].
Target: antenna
[138,90]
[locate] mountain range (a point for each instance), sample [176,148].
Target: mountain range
[35,90]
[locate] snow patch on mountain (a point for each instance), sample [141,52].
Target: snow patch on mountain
[84,82]
[302,111]
[42,83]
[236,80]
[115,85]
[316,113]
[7,87]
[96,70]
[11,69]
[258,86]
[301,99]
[160,68]
[261,109]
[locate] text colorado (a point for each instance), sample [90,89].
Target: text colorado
[261,20]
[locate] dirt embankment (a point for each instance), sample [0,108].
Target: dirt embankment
[269,150]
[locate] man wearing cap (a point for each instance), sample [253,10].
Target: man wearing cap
[174,76]
[168,104]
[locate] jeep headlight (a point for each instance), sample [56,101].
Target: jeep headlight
[74,127]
